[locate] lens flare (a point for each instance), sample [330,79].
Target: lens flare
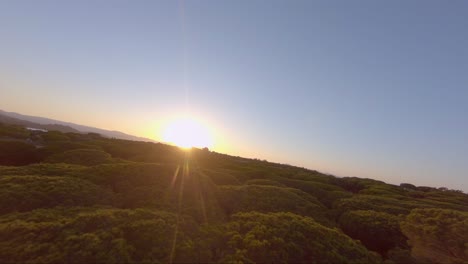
[187,133]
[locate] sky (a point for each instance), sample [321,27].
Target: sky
[375,89]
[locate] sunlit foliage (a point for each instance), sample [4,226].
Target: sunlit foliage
[289,238]
[92,235]
[378,231]
[87,157]
[264,198]
[24,193]
[437,235]
[83,198]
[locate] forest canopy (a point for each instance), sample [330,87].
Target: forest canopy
[83,198]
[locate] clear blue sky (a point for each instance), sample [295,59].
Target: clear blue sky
[374,89]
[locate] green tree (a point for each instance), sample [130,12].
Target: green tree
[87,157]
[15,153]
[24,193]
[264,198]
[437,235]
[290,238]
[378,231]
[13,131]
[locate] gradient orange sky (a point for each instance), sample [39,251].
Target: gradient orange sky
[369,89]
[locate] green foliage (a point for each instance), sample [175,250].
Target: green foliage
[122,176]
[264,182]
[264,198]
[13,131]
[384,190]
[54,136]
[396,205]
[134,184]
[59,147]
[448,199]
[354,184]
[56,169]
[288,238]
[378,231]
[24,193]
[372,202]
[326,193]
[400,255]
[79,235]
[408,186]
[437,235]
[102,200]
[86,157]
[221,177]
[141,151]
[17,153]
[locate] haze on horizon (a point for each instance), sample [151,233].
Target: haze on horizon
[368,89]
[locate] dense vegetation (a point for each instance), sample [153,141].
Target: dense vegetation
[69,197]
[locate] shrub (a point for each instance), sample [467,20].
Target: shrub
[290,238]
[87,157]
[437,235]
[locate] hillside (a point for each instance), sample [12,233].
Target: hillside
[49,126]
[52,124]
[82,198]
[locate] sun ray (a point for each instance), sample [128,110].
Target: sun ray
[174,178]
[185,174]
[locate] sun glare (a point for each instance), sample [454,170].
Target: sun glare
[187,133]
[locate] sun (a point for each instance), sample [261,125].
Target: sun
[187,133]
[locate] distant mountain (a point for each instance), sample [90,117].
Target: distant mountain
[15,121]
[51,124]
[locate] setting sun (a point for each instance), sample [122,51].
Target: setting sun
[187,133]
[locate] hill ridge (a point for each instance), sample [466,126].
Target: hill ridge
[63,126]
